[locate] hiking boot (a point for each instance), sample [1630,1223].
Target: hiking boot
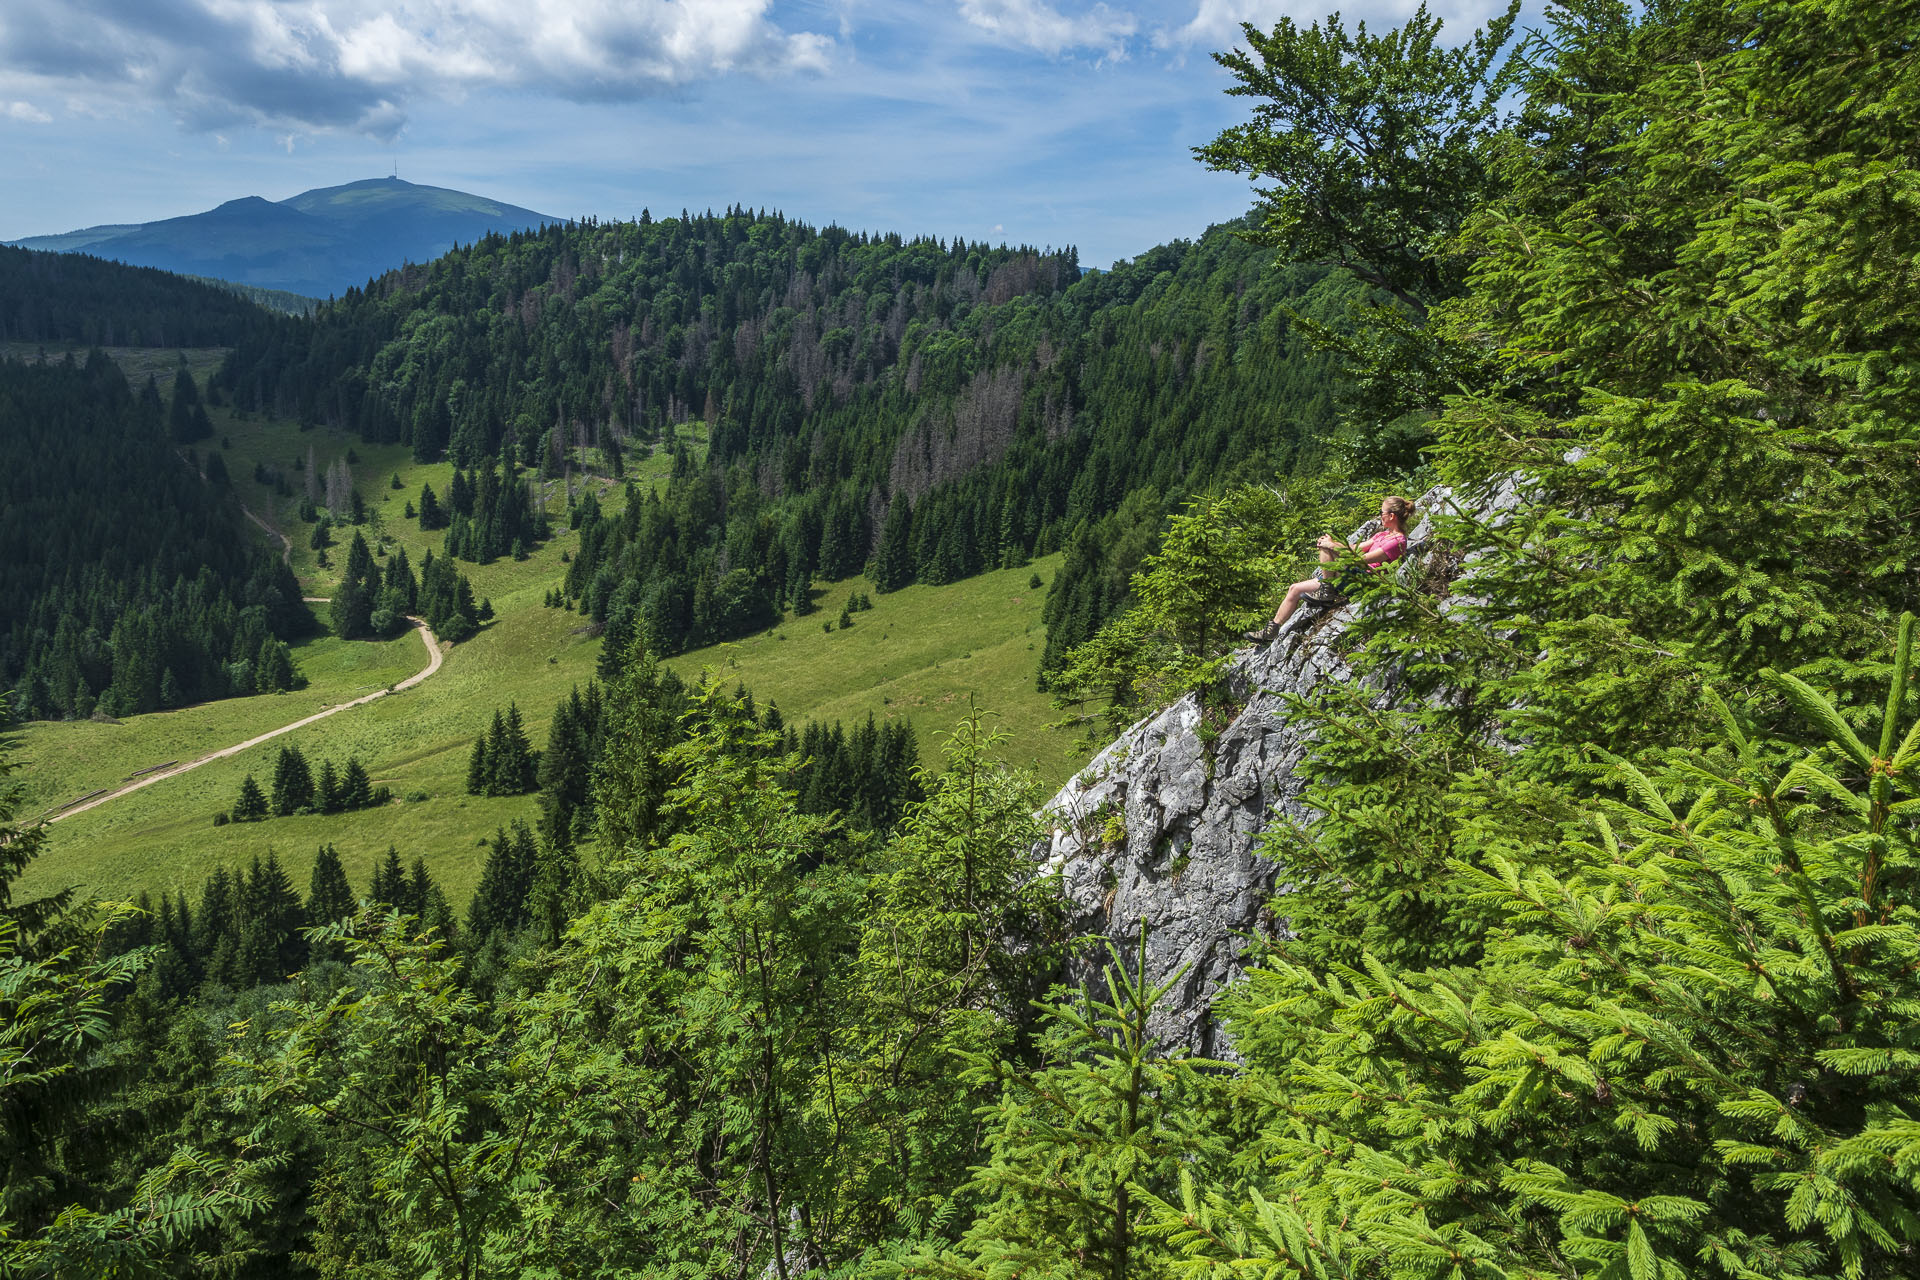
[1266,634]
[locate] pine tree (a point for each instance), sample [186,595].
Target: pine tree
[273,668]
[270,946]
[564,773]
[329,897]
[893,564]
[251,806]
[389,887]
[351,611]
[216,928]
[479,767]
[187,419]
[631,777]
[516,770]
[500,900]
[292,783]
[327,794]
[1084,1149]
[356,789]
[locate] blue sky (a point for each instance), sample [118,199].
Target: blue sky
[1047,122]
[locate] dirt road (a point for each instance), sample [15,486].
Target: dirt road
[434,656]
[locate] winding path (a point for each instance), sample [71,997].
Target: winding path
[286,543]
[434,657]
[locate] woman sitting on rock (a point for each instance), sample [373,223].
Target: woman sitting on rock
[1328,584]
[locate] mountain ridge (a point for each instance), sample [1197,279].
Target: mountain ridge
[318,243]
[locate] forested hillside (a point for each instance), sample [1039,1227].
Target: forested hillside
[71,298]
[127,582]
[938,408]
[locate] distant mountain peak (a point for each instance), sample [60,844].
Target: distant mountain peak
[319,243]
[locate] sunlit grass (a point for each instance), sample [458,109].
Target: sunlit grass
[921,654]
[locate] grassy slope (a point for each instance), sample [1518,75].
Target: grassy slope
[918,653]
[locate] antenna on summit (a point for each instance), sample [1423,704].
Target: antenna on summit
[396,169]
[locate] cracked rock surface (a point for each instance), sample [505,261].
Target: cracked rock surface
[1164,824]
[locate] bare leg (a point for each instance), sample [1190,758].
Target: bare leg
[1292,602]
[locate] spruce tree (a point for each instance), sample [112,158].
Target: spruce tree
[893,564]
[479,770]
[1085,1149]
[563,773]
[329,896]
[270,945]
[292,783]
[356,789]
[388,888]
[327,793]
[515,766]
[557,894]
[426,901]
[500,899]
[273,668]
[174,973]
[459,495]
[631,777]
[187,419]
[400,579]
[499,764]
[431,517]
[437,916]
[351,611]
[1680,1024]
[216,928]
[251,806]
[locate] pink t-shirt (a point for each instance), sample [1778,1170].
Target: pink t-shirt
[1394,544]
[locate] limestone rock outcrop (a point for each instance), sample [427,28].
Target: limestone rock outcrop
[1164,824]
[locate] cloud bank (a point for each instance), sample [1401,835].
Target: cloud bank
[1036,25]
[354,64]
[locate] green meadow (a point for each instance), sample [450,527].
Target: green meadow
[922,654]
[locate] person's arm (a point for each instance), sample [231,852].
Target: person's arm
[1373,555]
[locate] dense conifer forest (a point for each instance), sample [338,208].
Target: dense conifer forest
[126,582]
[1602,954]
[74,298]
[932,408]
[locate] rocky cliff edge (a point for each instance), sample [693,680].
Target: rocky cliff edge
[1163,824]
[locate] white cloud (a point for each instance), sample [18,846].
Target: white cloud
[27,113]
[1037,25]
[1216,23]
[354,64]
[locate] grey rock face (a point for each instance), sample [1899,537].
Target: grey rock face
[1164,824]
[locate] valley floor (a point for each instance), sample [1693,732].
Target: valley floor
[921,654]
